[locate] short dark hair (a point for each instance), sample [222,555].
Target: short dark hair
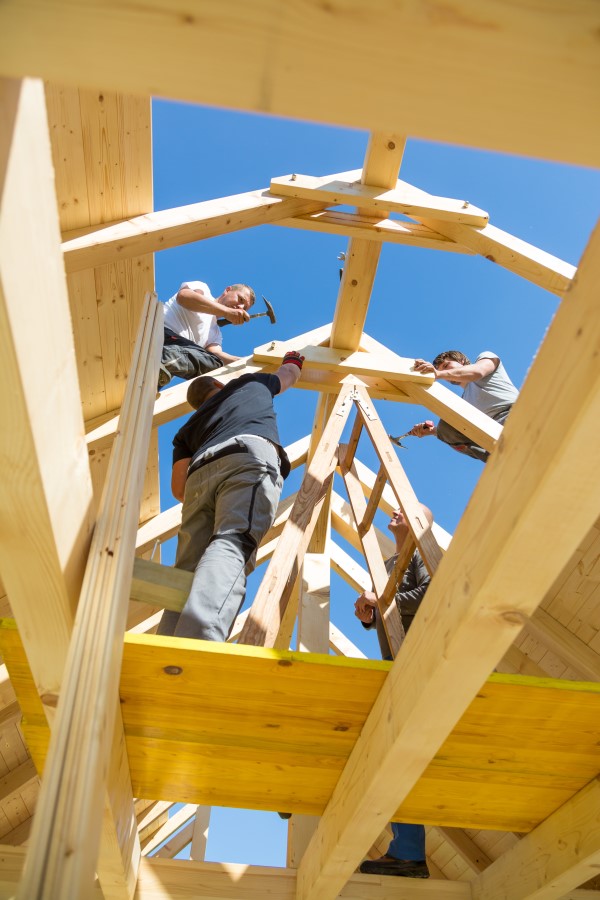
[454,355]
[245,287]
[199,389]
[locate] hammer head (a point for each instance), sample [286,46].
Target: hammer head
[270,311]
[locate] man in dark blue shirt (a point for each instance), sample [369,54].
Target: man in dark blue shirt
[228,469]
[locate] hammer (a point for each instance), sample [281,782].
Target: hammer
[270,313]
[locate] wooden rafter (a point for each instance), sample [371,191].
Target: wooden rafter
[480,563]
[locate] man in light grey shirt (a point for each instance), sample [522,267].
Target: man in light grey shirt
[486,386]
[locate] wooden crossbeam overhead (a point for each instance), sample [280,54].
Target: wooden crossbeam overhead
[466,53]
[168,228]
[348,188]
[510,252]
[515,500]
[374,228]
[456,220]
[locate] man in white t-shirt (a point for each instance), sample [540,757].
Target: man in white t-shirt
[486,386]
[193,340]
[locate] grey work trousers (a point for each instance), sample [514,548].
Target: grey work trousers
[229,505]
[459,441]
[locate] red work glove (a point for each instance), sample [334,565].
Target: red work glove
[293,357]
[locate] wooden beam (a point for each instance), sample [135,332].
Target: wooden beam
[381,166]
[66,831]
[346,188]
[343,522]
[466,52]
[352,572]
[476,859]
[389,612]
[200,833]
[486,586]
[48,498]
[179,879]
[173,227]
[342,362]
[173,823]
[374,228]
[537,266]
[16,780]
[411,507]
[557,638]
[172,403]
[557,856]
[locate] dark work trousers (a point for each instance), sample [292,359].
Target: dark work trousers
[459,441]
[184,358]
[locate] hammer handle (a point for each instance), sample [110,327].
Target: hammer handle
[222,322]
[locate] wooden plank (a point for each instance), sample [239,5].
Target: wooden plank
[373,504]
[273,595]
[341,362]
[420,528]
[168,228]
[465,53]
[374,228]
[177,843]
[389,502]
[482,568]
[346,188]
[476,859]
[457,412]
[278,728]
[568,646]
[177,820]
[66,833]
[390,614]
[517,256]
[16,780]
[560,854]
[200,834]
[48,497]
[352,572]
[341,645]
[343,522]
[240,882]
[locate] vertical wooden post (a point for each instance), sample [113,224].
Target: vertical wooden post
[62,857]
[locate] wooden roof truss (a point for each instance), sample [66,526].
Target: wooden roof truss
[69,517]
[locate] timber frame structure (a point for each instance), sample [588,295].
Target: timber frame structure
[516,816]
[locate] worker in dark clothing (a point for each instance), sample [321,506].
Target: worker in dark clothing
[406,853]
[228,469]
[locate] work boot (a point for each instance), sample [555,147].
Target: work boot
[389,865]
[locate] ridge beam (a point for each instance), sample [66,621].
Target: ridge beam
[346,188]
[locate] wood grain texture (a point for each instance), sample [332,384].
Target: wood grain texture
[462,47]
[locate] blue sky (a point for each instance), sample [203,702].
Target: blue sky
[423,301]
